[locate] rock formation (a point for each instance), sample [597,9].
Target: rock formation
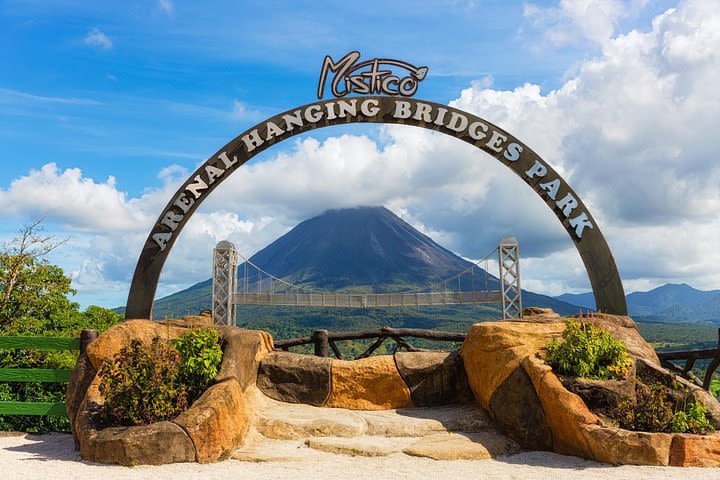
[507,374]
[514,400]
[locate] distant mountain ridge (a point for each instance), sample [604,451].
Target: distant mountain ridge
[667,303]
[362,249]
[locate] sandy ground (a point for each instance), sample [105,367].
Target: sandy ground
[52,457]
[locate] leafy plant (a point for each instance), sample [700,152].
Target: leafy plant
[692,419]
[588,351]
[144,384]
[654,412]
[140,384]
[201,355]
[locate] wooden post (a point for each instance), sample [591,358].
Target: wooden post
[322,344]
[86,337]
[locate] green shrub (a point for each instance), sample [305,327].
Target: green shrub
[201,355]
[144,384]
[140,384]
[691,420]
[654,412]
[587,351]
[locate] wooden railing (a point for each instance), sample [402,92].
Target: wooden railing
[690,357]
[40,374]
[324,341]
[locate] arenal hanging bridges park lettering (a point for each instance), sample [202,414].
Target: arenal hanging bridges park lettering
[395,107]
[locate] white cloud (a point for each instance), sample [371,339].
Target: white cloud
[633,132]
[594,20]
[97,39]
[69,198]
[166,6]
[9,96]
[241,111]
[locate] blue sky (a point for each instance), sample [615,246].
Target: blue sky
[144,91]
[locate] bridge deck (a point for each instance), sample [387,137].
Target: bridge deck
[368,300]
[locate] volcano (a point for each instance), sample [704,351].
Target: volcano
[361,249]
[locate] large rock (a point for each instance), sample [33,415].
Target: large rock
[565,412]
[539,315]
[500,357]
[623,447]
[217,422]
[434,378]
[213,427]
[155,444]
[695,450]
[462,446]
[243,350]
[295,378]
[493,350]
[115,338]
[368,384]
[517,410]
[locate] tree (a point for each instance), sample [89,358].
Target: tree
[34,301]
[29,285]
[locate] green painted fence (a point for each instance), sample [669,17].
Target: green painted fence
[39,374]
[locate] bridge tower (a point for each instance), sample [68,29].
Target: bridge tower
[509,260]
[225,260]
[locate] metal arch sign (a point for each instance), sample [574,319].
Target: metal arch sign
[533,170]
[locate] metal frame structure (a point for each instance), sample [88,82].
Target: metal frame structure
[225,263]
[509,264]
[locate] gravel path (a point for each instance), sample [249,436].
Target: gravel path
[52,457]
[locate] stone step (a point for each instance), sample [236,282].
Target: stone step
[364,446]
[294,432]
[279,420]
[438,446]
[462,446]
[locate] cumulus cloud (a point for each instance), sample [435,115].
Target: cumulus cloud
[633,133]
[69,198]
[97,39]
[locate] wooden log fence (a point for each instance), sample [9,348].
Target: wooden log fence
[323,341]
[690,357]
[41,375]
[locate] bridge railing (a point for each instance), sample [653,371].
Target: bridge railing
[41,375]
[324,340]
[369,300]
[226,295]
